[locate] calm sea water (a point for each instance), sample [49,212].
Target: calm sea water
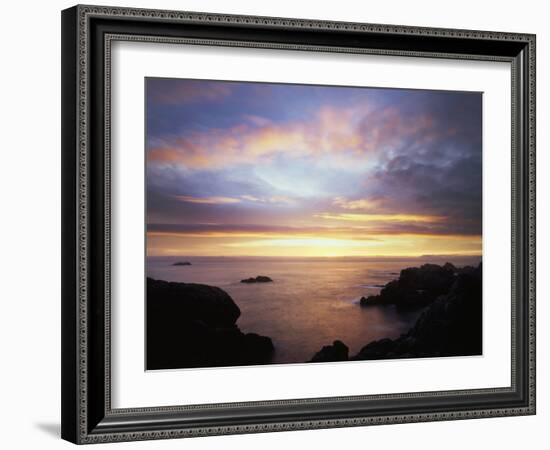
[311,302]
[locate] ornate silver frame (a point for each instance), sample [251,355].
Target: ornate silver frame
[88,32]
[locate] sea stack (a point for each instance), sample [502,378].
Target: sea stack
[258,279]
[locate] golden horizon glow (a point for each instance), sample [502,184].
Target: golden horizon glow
[265,244]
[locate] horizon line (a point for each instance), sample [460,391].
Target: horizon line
[443,255]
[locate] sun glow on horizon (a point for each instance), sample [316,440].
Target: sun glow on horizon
[402,245]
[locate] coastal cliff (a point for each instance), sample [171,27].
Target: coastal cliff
[451,324]
[194,325]
[417,286]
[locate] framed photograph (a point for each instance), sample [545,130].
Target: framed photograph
[279,224]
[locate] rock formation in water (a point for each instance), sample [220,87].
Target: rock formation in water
[417,286]
[258,279]
[194,325]
[182,263]
[450,326]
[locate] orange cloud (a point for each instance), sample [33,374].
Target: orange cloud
[208,200]
[351,132]
[363,203]
[383,217]
[221,200]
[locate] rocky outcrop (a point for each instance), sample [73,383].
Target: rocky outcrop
[450,326]
[182,263]
[194,325]
[415,287]
[338,351]
[258,279]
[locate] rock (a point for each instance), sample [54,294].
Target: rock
[415,287]
[194,325]
[450,267]
[258,347]
[377,349]
[338,351]
[169,301]
[450,326]
[258,279]
[372,300]
[182,263]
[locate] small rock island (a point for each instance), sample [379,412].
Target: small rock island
[182,263]
[258,279]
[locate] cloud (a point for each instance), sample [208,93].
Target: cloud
[365,230]
[208,200]
[179,92]
[274,199]
[257,120]
[383,218]
[242,228]
[325,243]
[423,187]
[311,162]
[353,133]
[362,203]
[220,200]
[252,230]
[251,198]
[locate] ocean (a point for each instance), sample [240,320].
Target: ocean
[311,302]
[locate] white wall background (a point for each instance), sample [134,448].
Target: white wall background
[30,225]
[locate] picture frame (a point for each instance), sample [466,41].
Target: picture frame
[87,412]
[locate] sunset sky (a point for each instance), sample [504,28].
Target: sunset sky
[237,168]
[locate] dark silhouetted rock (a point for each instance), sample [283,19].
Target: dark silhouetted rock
[378,349]
[450,326]
[208,304]
[372,300]
[258,279]
[194,325]
[257,347]
[450,267]
[182,263]
[338,351]
[416,286]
